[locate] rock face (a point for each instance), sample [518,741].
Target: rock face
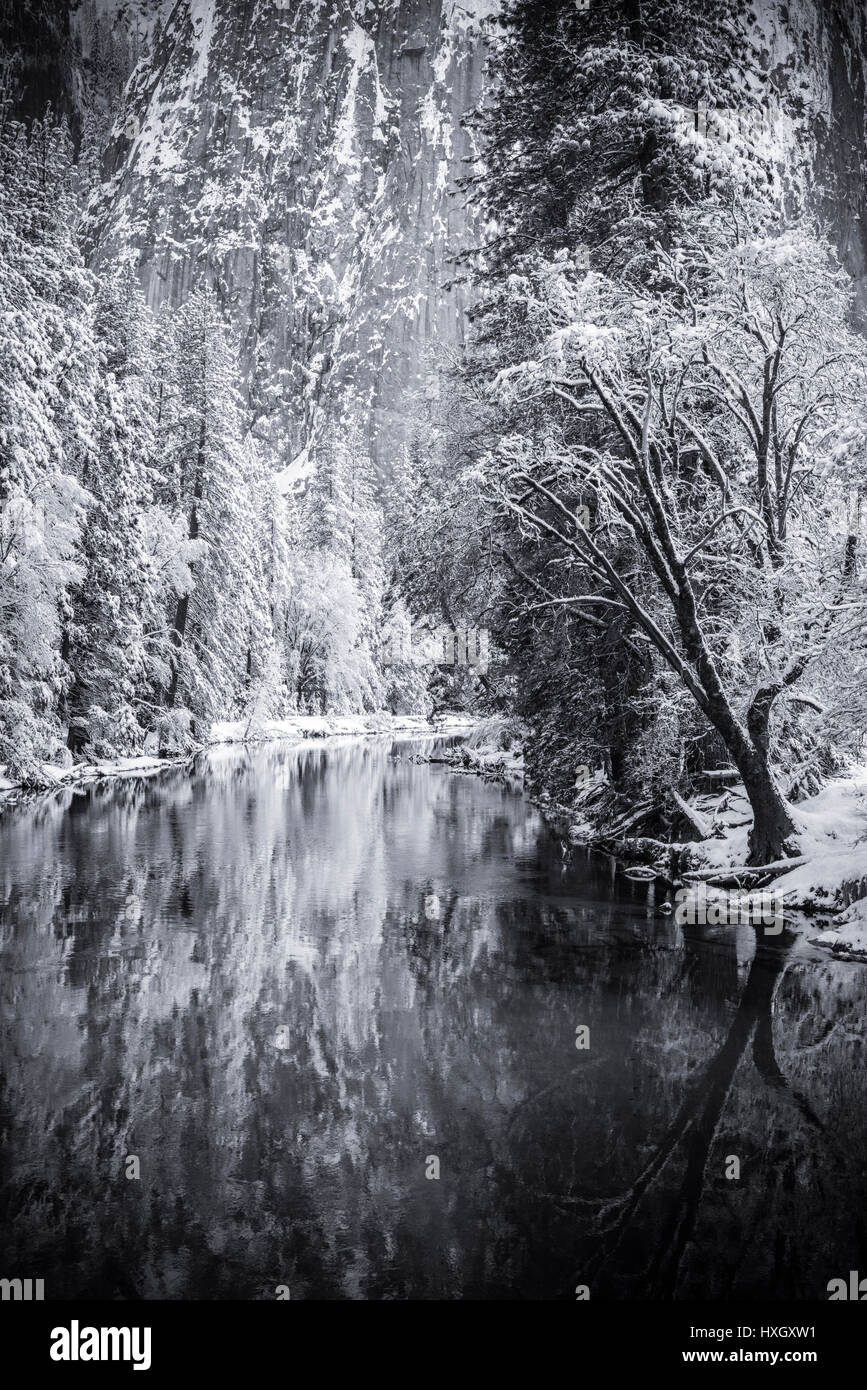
[814,54]
[301,156]
[37,60]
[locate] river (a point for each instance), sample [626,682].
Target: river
[303,1024]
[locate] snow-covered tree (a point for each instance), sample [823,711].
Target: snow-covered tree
[212,465]
[47,413]
[114,644]
[334,631]
[685,451]
[330,667]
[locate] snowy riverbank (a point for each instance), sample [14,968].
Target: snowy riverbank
[826,881]
[298,730]
[300,727]
[493,749]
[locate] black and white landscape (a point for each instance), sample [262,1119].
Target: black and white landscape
[433,649]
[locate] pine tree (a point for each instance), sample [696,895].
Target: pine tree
[591,126]
[342,529]
[112,643]
[47,413]
[215,471]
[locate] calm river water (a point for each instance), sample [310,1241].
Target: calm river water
[249,1014]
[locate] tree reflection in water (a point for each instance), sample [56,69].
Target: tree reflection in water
[232,975]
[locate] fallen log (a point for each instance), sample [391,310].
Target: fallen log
[641,874]
[618,826]
[695,818]
[744,875]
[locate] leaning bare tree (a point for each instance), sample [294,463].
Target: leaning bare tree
[686,474]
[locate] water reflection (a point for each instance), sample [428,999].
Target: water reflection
[241,977]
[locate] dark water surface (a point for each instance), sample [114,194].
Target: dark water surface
[242,979]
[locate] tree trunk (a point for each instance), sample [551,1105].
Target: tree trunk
[773,828]
[183,608]
[772,825]
[180,624]
[177,638]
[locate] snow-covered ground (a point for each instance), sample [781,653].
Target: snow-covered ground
[503,765]
[833,841]
[827,877]
[310,726]
[493,749]
[56,776]
[831,867]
